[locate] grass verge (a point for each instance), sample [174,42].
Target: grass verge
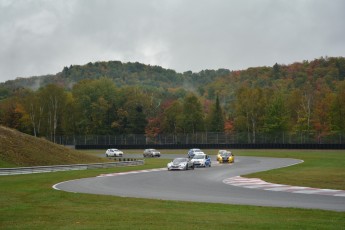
[320,169]
[29,202]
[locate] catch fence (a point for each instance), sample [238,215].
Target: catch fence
[204,138]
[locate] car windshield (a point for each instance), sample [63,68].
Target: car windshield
[179,160]
[225,154]
[199,156]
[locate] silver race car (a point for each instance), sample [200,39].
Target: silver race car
[180,164]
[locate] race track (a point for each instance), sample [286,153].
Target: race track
[204,185]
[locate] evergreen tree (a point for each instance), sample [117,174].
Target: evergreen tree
[137,121]
[216,118]
[276,71]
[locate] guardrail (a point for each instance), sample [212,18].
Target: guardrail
[56,168]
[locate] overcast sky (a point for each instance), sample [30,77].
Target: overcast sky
[41,36]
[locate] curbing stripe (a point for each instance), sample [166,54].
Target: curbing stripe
[256,183]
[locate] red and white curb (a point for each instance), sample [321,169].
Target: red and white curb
[133,172]
[255,183]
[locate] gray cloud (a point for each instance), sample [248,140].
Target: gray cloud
[42,36]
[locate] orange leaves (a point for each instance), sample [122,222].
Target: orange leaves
[229,126]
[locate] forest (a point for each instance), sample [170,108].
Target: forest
[113,98]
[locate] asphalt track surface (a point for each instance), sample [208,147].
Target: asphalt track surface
[203,185]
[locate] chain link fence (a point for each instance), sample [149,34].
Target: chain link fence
[204,138]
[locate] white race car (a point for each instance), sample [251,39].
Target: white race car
[113,153]
[151,153]
[180,164]
[201,160]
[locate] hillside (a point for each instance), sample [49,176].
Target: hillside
[122,74]
[206,82]
[115,98]
[19,149]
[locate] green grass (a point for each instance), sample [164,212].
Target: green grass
[320,169]
[29,202]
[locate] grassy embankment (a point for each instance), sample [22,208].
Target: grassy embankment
[29,202]
[19,150]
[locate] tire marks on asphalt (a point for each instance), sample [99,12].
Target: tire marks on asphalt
[255,183]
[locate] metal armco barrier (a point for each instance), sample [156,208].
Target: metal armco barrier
[56,168]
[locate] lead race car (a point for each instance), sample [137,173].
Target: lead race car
[225,156]
[180,164]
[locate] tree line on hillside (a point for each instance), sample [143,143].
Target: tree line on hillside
[206,82]
[124,74]
[99,106]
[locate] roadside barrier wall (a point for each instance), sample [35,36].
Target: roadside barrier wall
[56,168]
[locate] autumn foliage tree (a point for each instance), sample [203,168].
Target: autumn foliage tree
[250,109]
[305,99]
[192,113]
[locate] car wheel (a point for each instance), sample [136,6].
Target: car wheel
[106,155]
[193,166]
[186,167]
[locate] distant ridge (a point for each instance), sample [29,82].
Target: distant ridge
[138,74]
[123,74]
